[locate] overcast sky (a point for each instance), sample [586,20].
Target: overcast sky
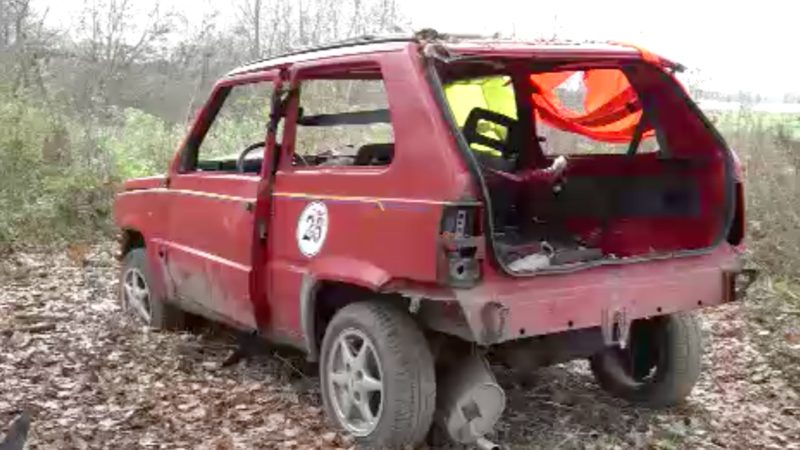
[736,46]
[749,45]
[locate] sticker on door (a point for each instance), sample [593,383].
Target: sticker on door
[312,227]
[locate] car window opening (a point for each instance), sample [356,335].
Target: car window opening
[343,122]
[235,138]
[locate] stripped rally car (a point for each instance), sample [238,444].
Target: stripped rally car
[413,211]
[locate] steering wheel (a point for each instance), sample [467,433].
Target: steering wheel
[240,160]
[297,159]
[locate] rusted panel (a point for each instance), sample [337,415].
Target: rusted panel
[556,303]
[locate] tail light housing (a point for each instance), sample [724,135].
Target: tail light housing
[461,246]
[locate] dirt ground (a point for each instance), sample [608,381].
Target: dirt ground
[92,379]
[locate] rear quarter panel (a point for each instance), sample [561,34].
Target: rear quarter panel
[383,221]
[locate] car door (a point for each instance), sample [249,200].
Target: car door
[211,239]
[338,150]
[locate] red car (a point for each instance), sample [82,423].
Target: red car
[411,211]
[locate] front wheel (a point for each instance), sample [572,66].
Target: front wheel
[377,376]
[660,365]
[138,298]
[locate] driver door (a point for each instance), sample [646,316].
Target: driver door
[209,247]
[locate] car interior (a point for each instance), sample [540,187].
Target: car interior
[597,202]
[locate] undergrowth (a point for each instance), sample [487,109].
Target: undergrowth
[59,173]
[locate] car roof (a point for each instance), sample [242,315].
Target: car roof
[454,43]
[344,48]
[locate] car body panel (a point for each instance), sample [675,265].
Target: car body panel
[209,241]
[371,209]
[534,306]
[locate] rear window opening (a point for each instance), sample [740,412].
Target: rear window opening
[572,94]
[343,122]
[589,165]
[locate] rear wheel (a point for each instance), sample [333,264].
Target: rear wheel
[138,298]
[377,376]
[659,367]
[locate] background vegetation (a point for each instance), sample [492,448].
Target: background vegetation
[84,107]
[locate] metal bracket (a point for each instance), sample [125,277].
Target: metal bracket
[616,327]
[414,304]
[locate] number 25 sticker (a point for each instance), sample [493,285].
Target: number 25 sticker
[312,227]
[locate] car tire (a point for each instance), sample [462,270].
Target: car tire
[138,298]
[659,367]
[383,344]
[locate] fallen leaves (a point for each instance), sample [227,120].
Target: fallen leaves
[92,379]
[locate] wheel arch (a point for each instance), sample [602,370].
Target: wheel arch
[130,238]
[320,300]
[330,285]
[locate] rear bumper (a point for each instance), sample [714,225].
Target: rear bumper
[504,309]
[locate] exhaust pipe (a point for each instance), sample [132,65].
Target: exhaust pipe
[484,444]
[470,401]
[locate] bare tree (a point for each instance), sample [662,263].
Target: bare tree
[134,53]
[24,45]
[112,38]
[276,26]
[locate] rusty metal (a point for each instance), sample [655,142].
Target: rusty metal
[470,400]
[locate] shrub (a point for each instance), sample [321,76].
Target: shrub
[58,173]
[141,145]
[769,147]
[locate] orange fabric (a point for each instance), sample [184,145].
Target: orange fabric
[611,106]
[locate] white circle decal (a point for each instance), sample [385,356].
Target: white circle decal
[312,227]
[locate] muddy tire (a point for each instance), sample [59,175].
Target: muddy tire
[660,366]
[377,376]
[137,296]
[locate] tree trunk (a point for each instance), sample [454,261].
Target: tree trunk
[255,52]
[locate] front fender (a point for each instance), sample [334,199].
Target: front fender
[133,212]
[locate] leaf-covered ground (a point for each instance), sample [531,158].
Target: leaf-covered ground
[92,379]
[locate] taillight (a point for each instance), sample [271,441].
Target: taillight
[461,246]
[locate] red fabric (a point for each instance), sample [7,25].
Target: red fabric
[611,106]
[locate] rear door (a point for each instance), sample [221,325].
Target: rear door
[212,236]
